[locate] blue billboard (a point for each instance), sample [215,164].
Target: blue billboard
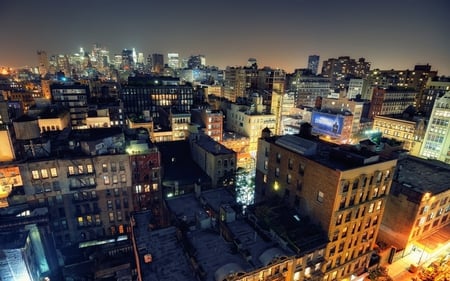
[327,124]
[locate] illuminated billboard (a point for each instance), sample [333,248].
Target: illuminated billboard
[327,124]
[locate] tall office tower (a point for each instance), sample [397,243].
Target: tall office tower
[173,60]
[391,101]
[434,89]
[44,64]
[74,97]
[140,58]
[436,144]
[127,60]
[308,88]
[117,61]
[271,80]
[134,56]
[338,70]
[313,63]
[197,61]
[343,190]
[151,94]
[234,84]
[157,63]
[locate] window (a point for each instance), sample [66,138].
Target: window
[288,178]
[301,169]
[115,179]
[320,196]
[109,204]
[80,169]
[344,185]
[111,216]
[123,178]
[71,170]
[44,173]
[379,205]
[35,174]
[105,168]
[371,208]
[290,164]
[277,172]
[121,166]
[89,169]
[106,179]
[278,157]
[53,172]
[113,167]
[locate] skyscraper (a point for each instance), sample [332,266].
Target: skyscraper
[313,63]
[157,63]
[173,60]
[43,62]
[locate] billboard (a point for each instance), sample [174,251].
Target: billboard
[327,124]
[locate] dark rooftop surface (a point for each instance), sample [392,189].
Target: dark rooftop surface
[301,234]
[168,261]
[423,175]
[13,240]
[328,154]
[213,251]
[213,147]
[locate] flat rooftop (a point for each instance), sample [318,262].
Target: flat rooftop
[337,157]
[423,175]
[168,261]
[215,252]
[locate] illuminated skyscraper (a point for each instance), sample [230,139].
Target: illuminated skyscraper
[313,63]
[43,62]
[157,63]
[173,60]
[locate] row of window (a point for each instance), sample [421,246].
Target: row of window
[44,173]
[360,212]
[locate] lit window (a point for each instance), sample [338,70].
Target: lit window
[35,174]
[71,170]
[89,168]
[320,196]
[53,172]
[80,169]
[106,179]
[44,173]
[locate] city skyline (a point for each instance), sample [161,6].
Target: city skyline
[282,34]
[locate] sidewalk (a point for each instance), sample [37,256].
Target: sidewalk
[399,269]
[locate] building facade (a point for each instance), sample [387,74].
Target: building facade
[343,190]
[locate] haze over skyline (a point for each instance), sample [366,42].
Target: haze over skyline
[389,34]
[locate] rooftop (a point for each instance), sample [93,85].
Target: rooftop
[423,175]
[328,154]
[165,256]
[210,145]
[220,247]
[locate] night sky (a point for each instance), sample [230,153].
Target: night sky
[391,34]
